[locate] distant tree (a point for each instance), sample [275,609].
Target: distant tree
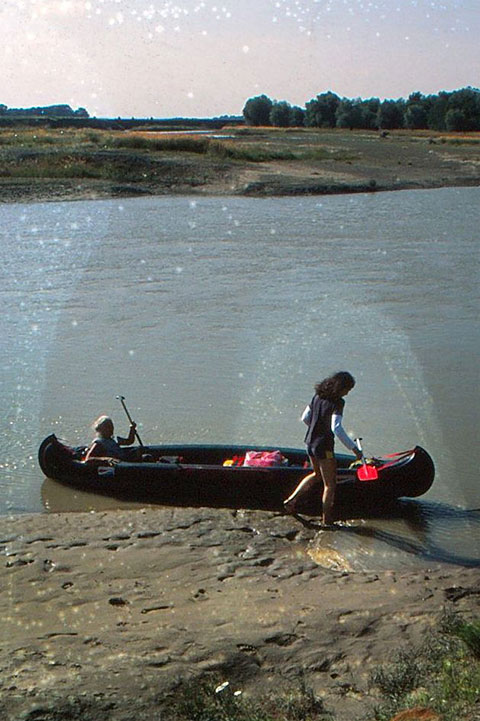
[257,110]
[320,112]
[415,98]
[455,119]
[349,114]
[390,114]
[280,114]
[297,117]
[416,117]
[437,111]
[369,111]
[416,111]
[457,110]
[81,113]
[466,103]
[59,111]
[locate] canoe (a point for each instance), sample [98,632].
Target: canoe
[209,475]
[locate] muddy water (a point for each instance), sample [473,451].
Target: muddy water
[215,317]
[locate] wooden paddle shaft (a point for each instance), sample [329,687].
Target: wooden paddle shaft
[122,401]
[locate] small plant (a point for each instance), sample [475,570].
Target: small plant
[442,674]
[401,678]
[173,144]
[469,632]
[209,701]
[461,140]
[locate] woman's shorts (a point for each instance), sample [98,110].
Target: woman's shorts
[320,450]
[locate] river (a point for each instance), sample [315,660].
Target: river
[214,317]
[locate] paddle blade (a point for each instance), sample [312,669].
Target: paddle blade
[367,473]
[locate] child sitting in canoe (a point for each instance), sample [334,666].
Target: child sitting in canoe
[104,445]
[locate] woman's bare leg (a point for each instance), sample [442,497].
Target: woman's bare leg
[328,471]
[304,486]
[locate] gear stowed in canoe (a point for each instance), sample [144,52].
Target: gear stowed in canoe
[216,475]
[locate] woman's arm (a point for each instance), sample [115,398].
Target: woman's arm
[306,415]
[342,436]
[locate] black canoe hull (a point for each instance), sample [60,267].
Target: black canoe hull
[194,475]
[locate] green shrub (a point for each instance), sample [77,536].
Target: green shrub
[469,632]
[399,679]
[207,701]
[173,144]
[250,153]
[460,141]
[443,673]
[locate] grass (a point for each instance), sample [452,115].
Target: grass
[60,165]
[207,701]
[156,161]
[175,144]
[56,146]
[443,674]
[461,140]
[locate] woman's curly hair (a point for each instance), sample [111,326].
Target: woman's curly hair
[335,385]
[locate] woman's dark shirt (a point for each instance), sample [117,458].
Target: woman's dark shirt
[320,427]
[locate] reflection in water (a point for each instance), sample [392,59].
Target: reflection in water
[416,534]
[58,498]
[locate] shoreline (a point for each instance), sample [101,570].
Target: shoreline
[59,191]
[111,609]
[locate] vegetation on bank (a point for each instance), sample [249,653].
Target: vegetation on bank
[207,701]
[141,157]
[145,156]
[47,163]
[442,675]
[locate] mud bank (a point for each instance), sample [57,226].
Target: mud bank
[109,610]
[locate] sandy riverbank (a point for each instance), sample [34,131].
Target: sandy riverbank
[109,610]
[300,162]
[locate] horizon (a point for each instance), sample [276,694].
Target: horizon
[201,59]
[221,116]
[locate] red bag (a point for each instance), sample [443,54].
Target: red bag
[263,458]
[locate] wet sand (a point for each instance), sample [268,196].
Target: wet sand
[110,610]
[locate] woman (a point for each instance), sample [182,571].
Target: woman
[104,444]
[324,420]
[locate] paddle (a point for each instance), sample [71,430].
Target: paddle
[122,401]
[365,472]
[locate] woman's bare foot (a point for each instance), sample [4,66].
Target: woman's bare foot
[289,506]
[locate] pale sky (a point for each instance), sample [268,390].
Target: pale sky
[202,58]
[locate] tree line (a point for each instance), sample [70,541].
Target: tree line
[51,111]
[458,110]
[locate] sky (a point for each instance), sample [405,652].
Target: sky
[202,58]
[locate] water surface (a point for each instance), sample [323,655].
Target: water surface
[215,317]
